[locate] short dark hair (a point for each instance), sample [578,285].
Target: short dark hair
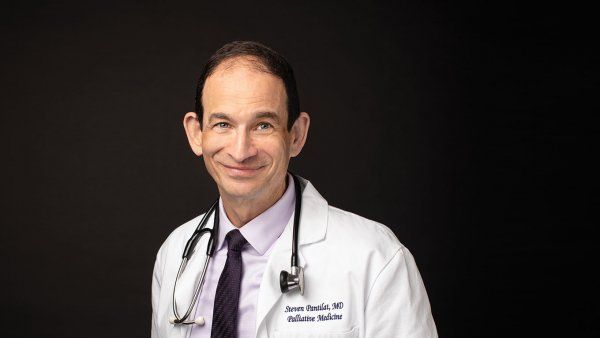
[265,59]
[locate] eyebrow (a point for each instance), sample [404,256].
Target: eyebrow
[268,115]
[218,116]
[260,115]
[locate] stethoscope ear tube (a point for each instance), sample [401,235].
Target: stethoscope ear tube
[298,208]
[187,254]
[200,230]
[210,247]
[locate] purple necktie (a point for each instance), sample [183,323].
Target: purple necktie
[225,310]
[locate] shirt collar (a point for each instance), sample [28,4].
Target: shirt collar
[262,232]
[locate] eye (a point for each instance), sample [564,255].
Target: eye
[263,126]
[221,125]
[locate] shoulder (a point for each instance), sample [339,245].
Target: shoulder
[357,247]
[346,234]
[361,227]
[176,240]
[365,233]
[366,244]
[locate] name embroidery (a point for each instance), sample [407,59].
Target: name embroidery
[314,312]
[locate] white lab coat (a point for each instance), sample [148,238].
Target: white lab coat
[360,280]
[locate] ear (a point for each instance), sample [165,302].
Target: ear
[191,124]
[299,133]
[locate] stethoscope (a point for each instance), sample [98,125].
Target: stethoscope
[288,281]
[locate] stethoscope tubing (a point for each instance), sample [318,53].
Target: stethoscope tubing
[187,254]
[298,208]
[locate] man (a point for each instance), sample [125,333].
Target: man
[359,279]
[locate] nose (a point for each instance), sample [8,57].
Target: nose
[243,147]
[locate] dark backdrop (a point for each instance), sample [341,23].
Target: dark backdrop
[458,126]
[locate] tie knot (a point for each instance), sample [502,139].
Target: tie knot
[235,240]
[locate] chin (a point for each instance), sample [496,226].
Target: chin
[241,189]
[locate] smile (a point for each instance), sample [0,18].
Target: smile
[237,171]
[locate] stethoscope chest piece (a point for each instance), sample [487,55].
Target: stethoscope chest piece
[292,280]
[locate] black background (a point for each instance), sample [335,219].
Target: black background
[462,127]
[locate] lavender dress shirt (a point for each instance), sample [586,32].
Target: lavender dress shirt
[261,233]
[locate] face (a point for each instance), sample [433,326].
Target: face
[244,138]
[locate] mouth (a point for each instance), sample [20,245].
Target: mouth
[241,171]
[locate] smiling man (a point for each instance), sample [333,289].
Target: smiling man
[350,276]
[244,137]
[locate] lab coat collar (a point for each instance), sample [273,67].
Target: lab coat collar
[312,229]
[313,216]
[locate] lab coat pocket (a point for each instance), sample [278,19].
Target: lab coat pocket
[300,333]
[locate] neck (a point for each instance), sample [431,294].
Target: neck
[242,210]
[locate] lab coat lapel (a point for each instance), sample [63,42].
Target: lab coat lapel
[192,273]
[313,226]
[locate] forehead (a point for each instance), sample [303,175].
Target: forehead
[237,85]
